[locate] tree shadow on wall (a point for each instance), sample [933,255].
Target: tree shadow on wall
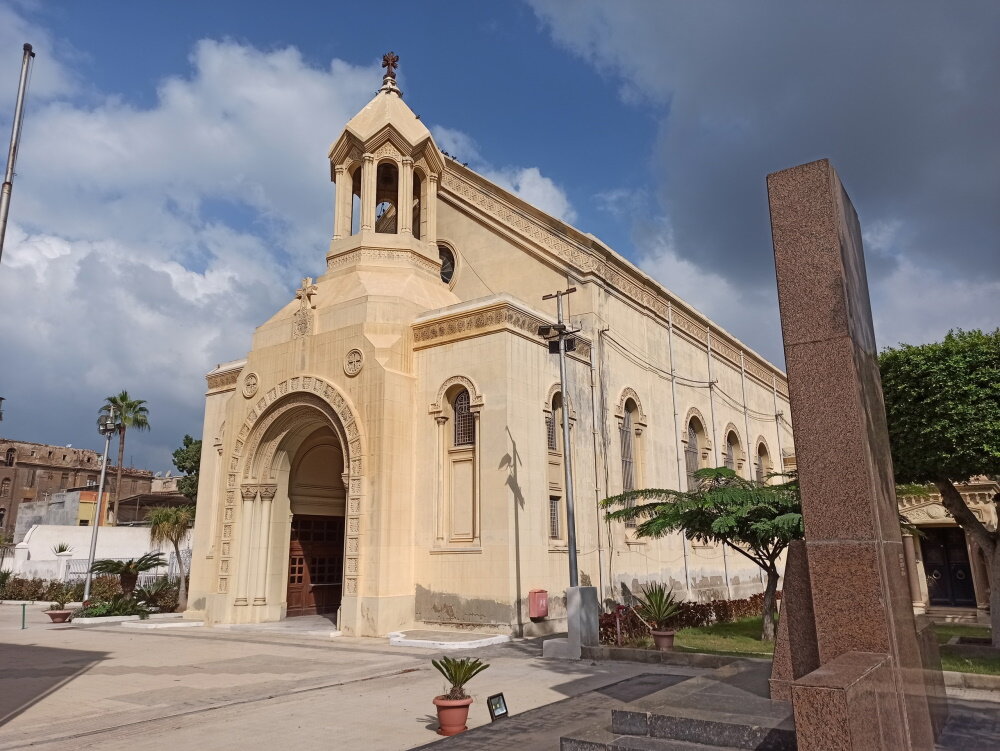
[31,673]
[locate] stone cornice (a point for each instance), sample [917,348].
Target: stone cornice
[589,257]
[491,317]
[224,380]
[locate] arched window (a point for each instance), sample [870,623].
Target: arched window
[11,456]
[356,200]
[418,192]
[732,450]
[5,487]
[465,423]
[554,444]
[3,515]
[691,452]
[553,425]
[447,263]
[763,468]
[629,469]
[386,196]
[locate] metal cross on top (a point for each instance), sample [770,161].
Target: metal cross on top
[306,292]
[390,61]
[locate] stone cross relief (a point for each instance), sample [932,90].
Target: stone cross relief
[303,316]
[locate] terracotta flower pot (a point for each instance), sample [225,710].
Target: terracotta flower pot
[452,714]
[59,616]
[664,640]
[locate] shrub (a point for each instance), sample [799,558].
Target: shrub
[622,626]
[160,594]
[458,672]
[116,605]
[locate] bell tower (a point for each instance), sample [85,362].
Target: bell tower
[386,169]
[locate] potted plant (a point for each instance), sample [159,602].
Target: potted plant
[453,707]
[57,611]
[658,607]
[128,571]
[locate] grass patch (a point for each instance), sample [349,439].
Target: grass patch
[946,631]
[982,660]
[737,638]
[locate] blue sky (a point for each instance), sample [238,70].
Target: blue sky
[172,185]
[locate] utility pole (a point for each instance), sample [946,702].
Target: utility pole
[15,138]
[559,337]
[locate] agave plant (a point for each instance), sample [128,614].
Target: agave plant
[62,547]
[458,673]
[657,606]
[128,571]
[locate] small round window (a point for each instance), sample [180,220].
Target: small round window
[447,263]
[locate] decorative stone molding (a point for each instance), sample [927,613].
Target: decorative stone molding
[741,454]
[383,256]
[695,412]
[607,267]
[223,380]
[475,398]
[267,492]
[629,393]
[499,316]
[248,492]
[353,362]
[250,385]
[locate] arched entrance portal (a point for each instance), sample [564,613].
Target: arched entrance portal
[317,499]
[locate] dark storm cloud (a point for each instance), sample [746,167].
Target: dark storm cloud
[902,96]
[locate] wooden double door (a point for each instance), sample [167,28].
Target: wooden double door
[946,563]
[315,565]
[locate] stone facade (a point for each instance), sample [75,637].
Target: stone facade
[34,471]
[406,400]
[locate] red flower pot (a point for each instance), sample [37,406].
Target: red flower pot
[452,714]
[59,616]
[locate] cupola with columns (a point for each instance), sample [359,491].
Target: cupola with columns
[386,168]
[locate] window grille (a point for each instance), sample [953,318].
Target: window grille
[5,488]
[761,465]
[691,457]
[550,432]
[465,422]
[730,452]
[11,456]
[628,463]
[555,532]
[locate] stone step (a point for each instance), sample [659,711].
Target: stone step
[599,739]
[717,729]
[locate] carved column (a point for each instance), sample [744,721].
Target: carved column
[980,578]
[913,573]
[248,492]
[368,192]
[342,181]
[442,502]
[405,212]
[263,543]
[432,208]
[476,489]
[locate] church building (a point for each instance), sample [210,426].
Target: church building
[390,452]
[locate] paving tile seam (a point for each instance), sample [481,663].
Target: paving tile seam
[25,743]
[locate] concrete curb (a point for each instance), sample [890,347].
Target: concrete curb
[689,659]
[398,639]
[122,618]
[978,681]
[162,624]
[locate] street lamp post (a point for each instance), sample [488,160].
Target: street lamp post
[562,337]
[107,427]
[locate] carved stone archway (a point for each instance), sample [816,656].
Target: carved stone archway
[252,470]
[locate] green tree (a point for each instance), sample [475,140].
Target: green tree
[942,404]
[755,519]
[170,524]
[128,571]
[188,460]
[126,413]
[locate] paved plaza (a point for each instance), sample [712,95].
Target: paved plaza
[122,688]
[115,688]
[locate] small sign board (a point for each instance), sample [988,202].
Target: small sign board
[497,706]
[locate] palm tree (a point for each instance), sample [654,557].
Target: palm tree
[126,413]
[128,571]
[170,524]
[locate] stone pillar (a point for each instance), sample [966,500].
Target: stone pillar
[432,208]
[263,543]
[442,501]
[582,612]
[980,577]
[870,663]
[62,563]
[248,492]
[343,182]
[368,192]
[404,211]
[913,573]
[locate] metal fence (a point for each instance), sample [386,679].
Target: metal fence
[76,570]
